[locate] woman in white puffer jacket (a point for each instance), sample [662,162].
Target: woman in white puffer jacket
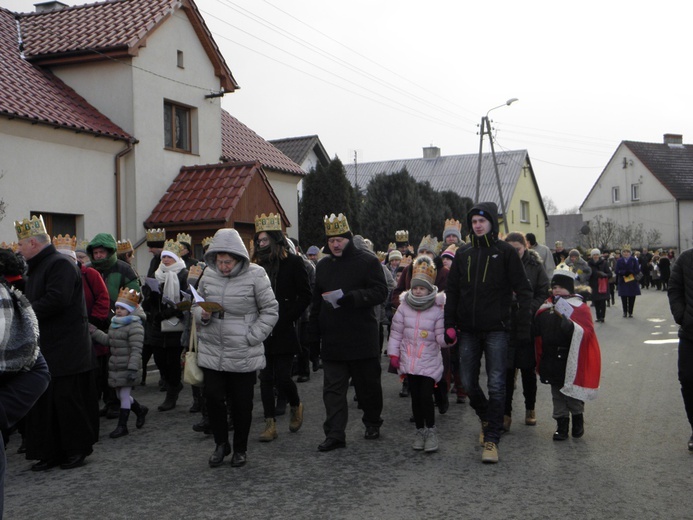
[230,349]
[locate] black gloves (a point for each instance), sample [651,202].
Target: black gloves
[348,300]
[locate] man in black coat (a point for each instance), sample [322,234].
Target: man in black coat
[483,277]
[681,304]
[60,428]
[349,283]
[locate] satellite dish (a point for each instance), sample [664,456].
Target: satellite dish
[585,230]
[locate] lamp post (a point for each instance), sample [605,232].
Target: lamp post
[485,128]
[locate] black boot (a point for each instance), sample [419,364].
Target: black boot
[221,451]
[122,428]
[203,426]
[404,392]
[578,429]
[140,412]
[561,432]
[171,398]
[197,397]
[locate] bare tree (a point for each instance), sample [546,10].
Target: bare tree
[549,205]
[3,204]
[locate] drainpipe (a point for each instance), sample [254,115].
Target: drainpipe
[130,145]
[678,226]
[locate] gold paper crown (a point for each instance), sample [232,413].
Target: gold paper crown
[429,243]
[382,255]
[406,260]
[626,247]
[65,242]
[424,269]
[83,244]
[13,246]
[336,225]
[206,241]
[30,228]
[450,250]
[124,246]
[453,224]
[271,222]
[391,246]
[173,247]
[401,236]
[129,297]
[156,235]
[184,237]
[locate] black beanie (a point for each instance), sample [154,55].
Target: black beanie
[564,280]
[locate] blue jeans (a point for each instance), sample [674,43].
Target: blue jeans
[494,347]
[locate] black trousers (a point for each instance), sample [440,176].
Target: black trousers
[168,360]
[529,389]
[628,302]
[600,308]
[277,373]
[686,376]
[421,393]
[365,374]
[238,387]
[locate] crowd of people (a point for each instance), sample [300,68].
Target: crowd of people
[272,312]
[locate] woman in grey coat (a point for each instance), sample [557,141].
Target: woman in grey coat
[230,348]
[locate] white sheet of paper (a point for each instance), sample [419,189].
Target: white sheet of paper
[153,284]
[332,297]
[196,295]
[564,308]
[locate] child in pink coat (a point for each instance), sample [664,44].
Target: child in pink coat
[416,337]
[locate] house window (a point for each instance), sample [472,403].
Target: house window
[635,192]
[524,211]
[177,127]
[179,59]
[58,223]
[615,194]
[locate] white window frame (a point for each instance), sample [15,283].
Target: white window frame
[635,192]
[616,194]
[524,211]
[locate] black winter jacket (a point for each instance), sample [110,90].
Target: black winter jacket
[483,276]
[54,288]
[681,293]
[348,332]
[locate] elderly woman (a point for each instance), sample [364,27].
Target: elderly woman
[230,349]
[627,270]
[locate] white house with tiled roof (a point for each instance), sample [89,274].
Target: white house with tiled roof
[102,106]
[649,184]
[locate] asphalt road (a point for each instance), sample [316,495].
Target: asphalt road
[631,463]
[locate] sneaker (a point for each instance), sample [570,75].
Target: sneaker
[431,441]
[484,425]
[419,439]
[530,418]
[490,453]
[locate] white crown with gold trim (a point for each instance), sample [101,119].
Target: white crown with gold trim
[336,225]
[271,222]
[66,242]
[30,227]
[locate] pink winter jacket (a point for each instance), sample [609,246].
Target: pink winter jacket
[417,337]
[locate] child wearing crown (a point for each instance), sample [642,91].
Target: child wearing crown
[567,350]
[416,339]
[125,337]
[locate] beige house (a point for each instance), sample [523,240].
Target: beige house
[648,184]
[458,173]
[103,106]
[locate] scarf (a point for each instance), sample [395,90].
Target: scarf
[105,263]
[19,331]
[421,303]
[271,265]
[168,276]
[121,321]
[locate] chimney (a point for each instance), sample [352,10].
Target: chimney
[44,7]
[673,139]
[431,152]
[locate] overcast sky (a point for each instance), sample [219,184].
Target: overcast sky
[386,78]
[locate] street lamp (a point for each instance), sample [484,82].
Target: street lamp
[485,128]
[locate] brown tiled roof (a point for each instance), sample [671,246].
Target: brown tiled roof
[240,143]
[111,29]
[672,164]
[207,194]
[27,92]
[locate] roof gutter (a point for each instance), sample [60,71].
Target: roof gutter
[118,197]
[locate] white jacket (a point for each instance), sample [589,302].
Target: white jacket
[232,341]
